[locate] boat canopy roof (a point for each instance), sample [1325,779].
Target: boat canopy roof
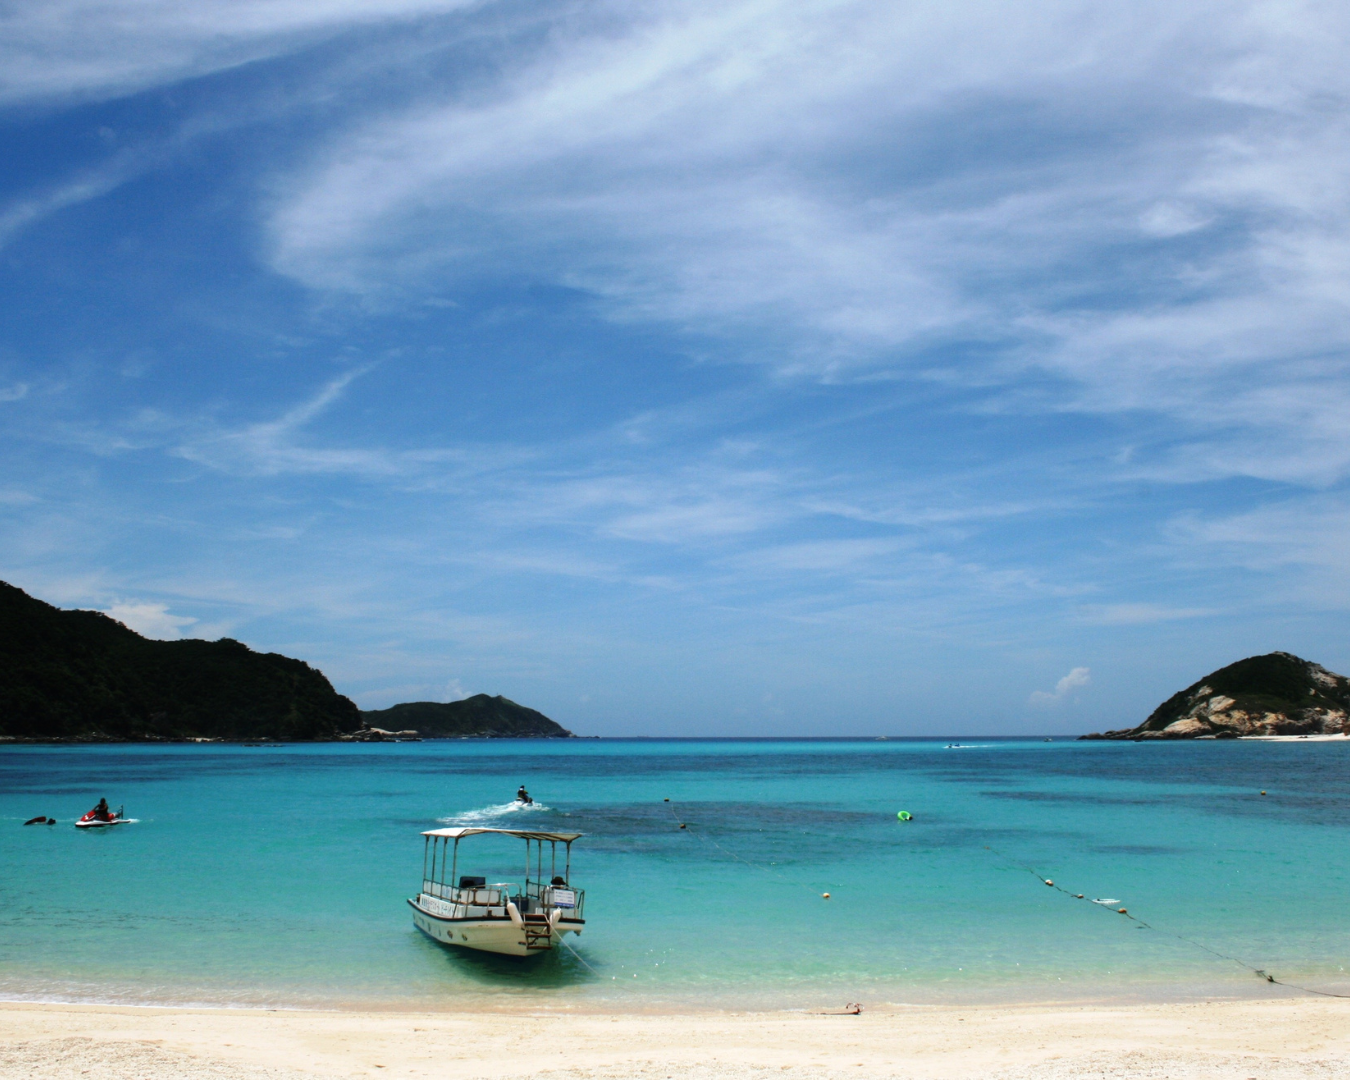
[460,832]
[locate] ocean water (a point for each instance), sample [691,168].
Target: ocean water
[276,877]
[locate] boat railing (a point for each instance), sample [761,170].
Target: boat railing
[538,897]
[483,896]
[546,898]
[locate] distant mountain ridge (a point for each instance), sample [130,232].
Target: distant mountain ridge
[1275,694]
[83,676]
[480,715]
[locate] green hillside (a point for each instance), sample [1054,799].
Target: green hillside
[81,675]
[479,715]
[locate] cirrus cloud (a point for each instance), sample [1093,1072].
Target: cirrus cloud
[97,48]
[1142,207]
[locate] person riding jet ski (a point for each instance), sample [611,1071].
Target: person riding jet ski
[523,796]
[100,815]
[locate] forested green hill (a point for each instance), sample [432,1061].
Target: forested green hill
[494,717]
[83,675]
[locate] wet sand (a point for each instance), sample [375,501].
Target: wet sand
[1297,1039]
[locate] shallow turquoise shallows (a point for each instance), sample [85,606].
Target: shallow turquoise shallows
[277,876]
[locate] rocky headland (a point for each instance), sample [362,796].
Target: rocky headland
[1274,694]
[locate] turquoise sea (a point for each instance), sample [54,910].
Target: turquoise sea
[276,876]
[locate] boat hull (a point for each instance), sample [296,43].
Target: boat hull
[494,935]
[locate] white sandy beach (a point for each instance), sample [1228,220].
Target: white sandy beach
[1338,737]
[1245,1040]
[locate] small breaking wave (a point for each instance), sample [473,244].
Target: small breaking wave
[488,814]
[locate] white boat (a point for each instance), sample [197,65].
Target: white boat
[502,917]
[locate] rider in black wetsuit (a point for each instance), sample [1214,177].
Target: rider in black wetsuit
[523,796]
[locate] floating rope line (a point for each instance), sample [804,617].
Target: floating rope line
[740,858]
[578,955]
[1107,904]
[1142,925]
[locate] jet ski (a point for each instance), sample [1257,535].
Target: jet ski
[91,820]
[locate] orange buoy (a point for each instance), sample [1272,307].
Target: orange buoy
[825,895]
[1263,793]
[1050,883]
[1123,911]
[683,826]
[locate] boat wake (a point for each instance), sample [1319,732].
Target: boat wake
[488,814]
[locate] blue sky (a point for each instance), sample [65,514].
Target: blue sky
[759,367]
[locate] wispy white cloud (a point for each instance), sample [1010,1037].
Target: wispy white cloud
[1139,614]
[1076,679]
[271,446]
[281,446]
[1296,546]
[694,514]
[16,392]
[62,48]
[1172,236]
[824,556]
[23,212]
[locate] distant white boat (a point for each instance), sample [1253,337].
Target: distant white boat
[505,916]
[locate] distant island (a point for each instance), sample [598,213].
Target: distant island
[81,676]
[480,715]
[1274,694]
